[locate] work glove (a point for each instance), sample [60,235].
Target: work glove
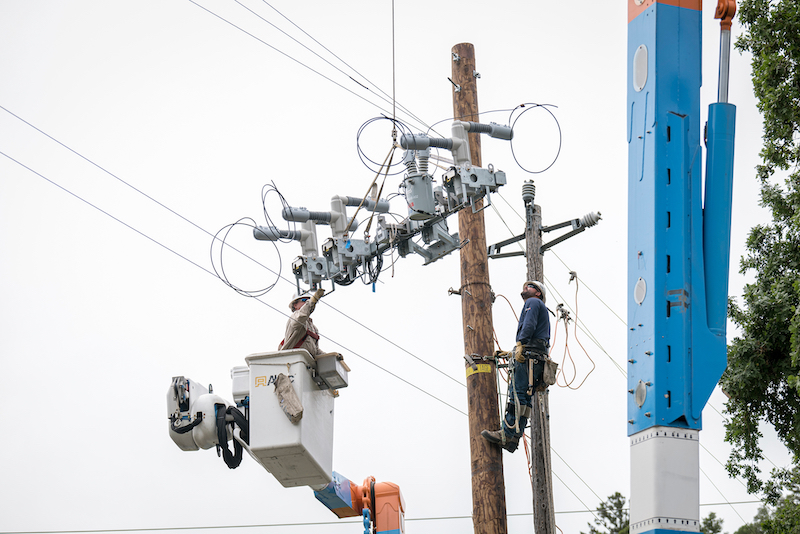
[317,295]
[518,353]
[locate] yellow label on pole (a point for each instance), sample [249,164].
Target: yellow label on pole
[482,368]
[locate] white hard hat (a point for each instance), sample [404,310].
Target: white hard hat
[298,296]
[539,286]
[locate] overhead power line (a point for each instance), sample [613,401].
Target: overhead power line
[311,524]
[288,56]
[386,98]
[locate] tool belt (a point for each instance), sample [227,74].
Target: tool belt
[541,369]
[536,346]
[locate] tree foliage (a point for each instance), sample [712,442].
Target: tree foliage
[786,517]
[755,527]
[764,361]
[611,517]
[711,524]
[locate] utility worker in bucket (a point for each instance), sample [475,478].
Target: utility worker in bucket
[301,333]
[533,339]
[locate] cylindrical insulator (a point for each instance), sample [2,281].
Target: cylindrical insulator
[439,142]
[414,142]
[382,205]
[528,191]
[476,127]
[423,166]
[303,215]
[590,219]
[501,132]
[270,233]
[422,160]
[493,129]
[410,162]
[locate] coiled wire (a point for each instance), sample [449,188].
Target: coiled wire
[528,106]
[375,166]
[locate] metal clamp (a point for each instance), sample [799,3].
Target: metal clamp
[471,362]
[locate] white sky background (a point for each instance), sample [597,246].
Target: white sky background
[96,318]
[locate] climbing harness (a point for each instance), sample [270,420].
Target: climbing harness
[309,333]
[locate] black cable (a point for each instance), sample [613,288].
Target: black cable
[265,191]
[345,280]
[373,273]
[543,106]
[241,420]
[404,130]
[232,460]
[221,271]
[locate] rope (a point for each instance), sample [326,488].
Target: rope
[525,439]
[574,275]
[496,340]
[380,191]
[374,180]
[564,315]
[510,306]
[513,386]
[567,384]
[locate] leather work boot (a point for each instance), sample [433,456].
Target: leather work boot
[496,436]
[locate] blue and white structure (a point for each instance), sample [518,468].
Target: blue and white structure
[678,260]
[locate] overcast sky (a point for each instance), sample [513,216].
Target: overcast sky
[131,132]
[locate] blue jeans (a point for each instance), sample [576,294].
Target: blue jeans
[519,372]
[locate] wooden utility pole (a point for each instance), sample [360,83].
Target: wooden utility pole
[488,486]
[543,512]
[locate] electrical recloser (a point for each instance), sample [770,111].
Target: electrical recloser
[342,255]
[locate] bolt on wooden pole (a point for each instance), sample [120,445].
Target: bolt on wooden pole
[543,510]
[488,486]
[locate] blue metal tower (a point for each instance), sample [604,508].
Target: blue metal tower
[678,258]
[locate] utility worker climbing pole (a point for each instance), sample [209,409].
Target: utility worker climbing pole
[300,330]
[526,367]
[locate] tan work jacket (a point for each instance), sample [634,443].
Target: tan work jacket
[298,325]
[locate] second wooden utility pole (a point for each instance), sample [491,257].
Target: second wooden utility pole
[488,486]
[543,512]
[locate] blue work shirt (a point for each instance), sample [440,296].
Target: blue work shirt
[533,322]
